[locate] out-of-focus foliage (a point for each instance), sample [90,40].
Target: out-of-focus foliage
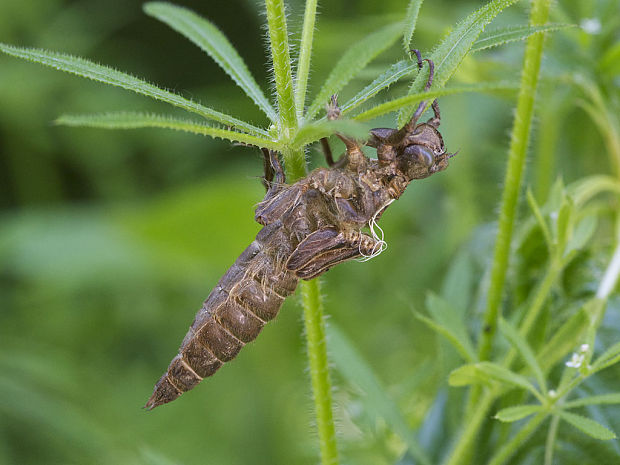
[109,241]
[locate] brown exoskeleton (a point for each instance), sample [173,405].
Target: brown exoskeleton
[308,227]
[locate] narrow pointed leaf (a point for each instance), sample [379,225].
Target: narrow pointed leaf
[606,399]
[88,69]
[412,99]
[564,340]
[608,358]
[517,412]
[447,316]
[485,372]
[590,427]
[354,368]
[453,49]
[411,20]
[305,54]
[129,120]
[524,349]
[395,72]
[512,34]
[466,352]
[323,128]
[353,61]
[210,39]
[542,224]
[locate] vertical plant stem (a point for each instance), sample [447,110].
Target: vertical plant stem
[280,54]
[551,437]
[296,168]
[514,174]
[319,370]
[303,66]
[478,409]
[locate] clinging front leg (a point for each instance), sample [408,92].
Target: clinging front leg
[354,158]
[279,197]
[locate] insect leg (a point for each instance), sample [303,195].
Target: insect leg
[274,178]
[327,247]
[354,156]
[436,120]
[398,136]
[268,177]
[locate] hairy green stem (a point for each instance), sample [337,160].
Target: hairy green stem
[305,52]
[281,57]
[319,370]
[477,409]
[514,174]
[506,451]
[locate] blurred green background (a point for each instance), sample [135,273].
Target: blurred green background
[110,241]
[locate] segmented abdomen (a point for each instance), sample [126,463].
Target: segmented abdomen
[248,295]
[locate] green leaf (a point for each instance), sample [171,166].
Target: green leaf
[485,372]
[353,61]
[411,20]
[585,189]
[588,426]
[564,340]
[453,49]
[449,323]
[540,219]
[524,349]
[610,357]
[210,39]
[314,131]
[395,72]
[564,223]
[582,233]
[467,353]
[510,414]
[100,73]
[507,34]
[305,54]
[354,368]
[131,120]
[613,398]
[402,102]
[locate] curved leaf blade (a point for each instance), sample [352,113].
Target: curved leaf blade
[354,60]
[485,372]
[524,349]
[133,120]
[411,20]
[395,72]
[610,357]
[508,34]
[90,70]
[465,351]
[588,426]
[608,399]
[453,49]
[323,128]
[518,412]
[211,40]
[408,100]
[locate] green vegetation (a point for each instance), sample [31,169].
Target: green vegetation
[473,339]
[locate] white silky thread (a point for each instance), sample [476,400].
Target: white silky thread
[380,244]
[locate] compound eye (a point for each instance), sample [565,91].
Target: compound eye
[421,154]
